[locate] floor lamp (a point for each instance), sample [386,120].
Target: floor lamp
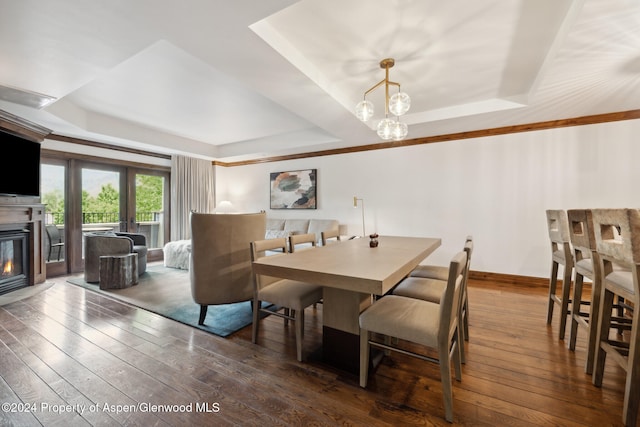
[355,205]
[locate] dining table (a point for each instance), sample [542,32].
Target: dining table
[351,273]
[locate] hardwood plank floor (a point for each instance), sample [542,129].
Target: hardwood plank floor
[74,357]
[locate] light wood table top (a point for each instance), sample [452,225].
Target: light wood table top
[352,265]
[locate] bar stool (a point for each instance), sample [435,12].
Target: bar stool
[617,234]
[558,227]
[586,264]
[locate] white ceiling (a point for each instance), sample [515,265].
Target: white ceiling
[243,79]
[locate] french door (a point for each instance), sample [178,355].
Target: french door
[101,197]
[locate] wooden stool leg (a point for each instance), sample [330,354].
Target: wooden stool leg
[604,324]
[553,283]
[575,312]
[632,387]
[564,303]
[594,316]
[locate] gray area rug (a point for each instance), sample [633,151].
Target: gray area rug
[167,292]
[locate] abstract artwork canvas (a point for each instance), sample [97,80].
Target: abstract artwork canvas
[293,189]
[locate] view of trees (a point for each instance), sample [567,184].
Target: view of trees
[148,193]
[148,201]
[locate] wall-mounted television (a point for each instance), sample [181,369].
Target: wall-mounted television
[19,166]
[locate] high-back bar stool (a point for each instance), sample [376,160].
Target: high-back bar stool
[618,244]
[586,264]
[561,255]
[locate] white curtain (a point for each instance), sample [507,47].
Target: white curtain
[192,189]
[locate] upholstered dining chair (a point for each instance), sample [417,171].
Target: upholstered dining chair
[431,325]
[440,272]
[429,271]
[617,234]
[290,295]
[302,241]
[432,288]
[558,228]
[329,236]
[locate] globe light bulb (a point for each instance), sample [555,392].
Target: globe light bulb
[385,128]
[399,131]
[399,103]
[364,110]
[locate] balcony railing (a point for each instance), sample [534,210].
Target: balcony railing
[103,217]
[148,223]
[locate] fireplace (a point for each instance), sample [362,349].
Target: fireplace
[14,260]
[22,262]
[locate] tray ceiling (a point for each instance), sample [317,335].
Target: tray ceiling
[244,79]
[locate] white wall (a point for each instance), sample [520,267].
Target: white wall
[494,188]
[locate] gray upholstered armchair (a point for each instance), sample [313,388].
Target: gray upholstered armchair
[220,264]
[100,244]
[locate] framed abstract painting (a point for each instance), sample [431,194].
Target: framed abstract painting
[293,189]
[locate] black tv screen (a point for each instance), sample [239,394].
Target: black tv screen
[20,166]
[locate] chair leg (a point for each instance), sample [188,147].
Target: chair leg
[620,308]
[203,314]
[447,387]
[575,311]
[564,303]
[299,324]
[460,339]
[458,355]
[364,357]
[256,311]
[594,316]
[465,317]
[632,386]
[553,283]
[389,341]
[287,312]
[604,325]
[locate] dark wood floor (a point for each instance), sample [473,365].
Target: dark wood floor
[68,348]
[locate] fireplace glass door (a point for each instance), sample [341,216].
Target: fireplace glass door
[13,260]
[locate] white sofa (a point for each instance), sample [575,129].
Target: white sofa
[285,227]
[176,254]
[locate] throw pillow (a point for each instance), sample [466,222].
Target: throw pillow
[276,234]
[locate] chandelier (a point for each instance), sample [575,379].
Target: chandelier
[397,105]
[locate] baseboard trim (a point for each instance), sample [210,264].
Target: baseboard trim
[510,278]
